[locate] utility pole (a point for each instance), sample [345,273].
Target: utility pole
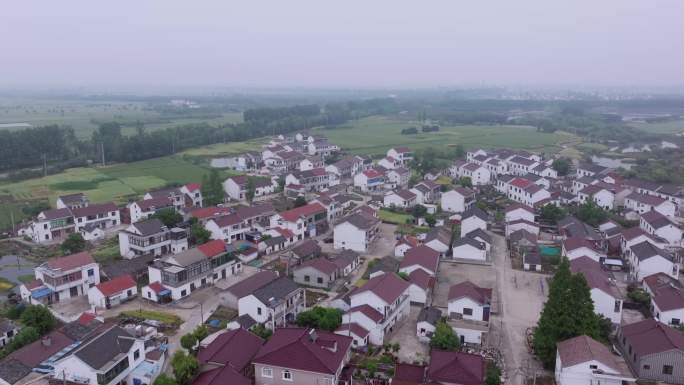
[44,164]
[103,154]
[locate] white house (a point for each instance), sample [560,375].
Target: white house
[517,211]
[576,247]
[635,235]
[403,154]
[602,196]
[469,248]
[457,200]
[106,359]
[427,323]
[581,360]
[479,175]
[421,284]
[181,274]
[151,237]
[301,221]
[236,187]
[468,308]
[438,239]
[661,226]
[473,219]
[389,162]
[521,224]
[398,177]
[356,232]
[379,305]
[72,201]
[369,180]
[144,209]
[62,278]
[399,198]
[420,257]
[8,330]
[647,259]
[667,304]
[642,203]
[427,192]
[103,216]
[607,299]
[113,292]
[275,304]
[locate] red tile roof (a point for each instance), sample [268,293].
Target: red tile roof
[470,290]
[155,203]
[354,328]
[208,212]
[650,336]
[213,248]
[421,279]
[456,367]
[321,264]
[520,182]
[582,349]
[116,285]
[596,277]
[575,243]
[220,376]
[372,173]
[386,286]
[303,211]
[516,206]
[285,232]
[156,287]
[236,347]
[70,262]
[95,209]
[85,318]
[402,150]
[36,352]
[422,256]
[193,186]
[367,310]
[305,349]
[668,298]
[647,199]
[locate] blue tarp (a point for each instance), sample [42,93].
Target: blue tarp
[40,293]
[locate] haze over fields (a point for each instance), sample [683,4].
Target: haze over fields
[355,43]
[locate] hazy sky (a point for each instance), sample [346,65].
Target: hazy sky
[344,43]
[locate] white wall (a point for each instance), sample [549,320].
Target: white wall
[457,306]
[346,236]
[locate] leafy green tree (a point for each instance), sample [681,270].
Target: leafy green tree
[493,376]
[262,331]
[38,317]
[15,311]
[212,188]
[199,234]
[320,318]
[201,332]
[591,213]
[445,338]
[164,379]
[465,181]
[403,275]
[561,165]
[169,217]
[188,341]
[73,244]
[24,337]
[419,211]
[251,189]
[568,312]
[430,220]
[300,201]
[184,367]
[552,213]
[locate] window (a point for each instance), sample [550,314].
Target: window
[91,272]
[307,278]
[593,367]
[617,306]
[184,293]
[136,354]
[675,321]
[467,311]
[319,279]
[647,367]
[267,372]
[129,293]
[287,375]
[259,311]
[667,369]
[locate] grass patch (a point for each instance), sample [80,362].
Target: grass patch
[669,127]
[360,282]
[375,135]
[26,278]
[80,185]
[108,251]
[5,284]
[167,318]
[392,217]
[227,148]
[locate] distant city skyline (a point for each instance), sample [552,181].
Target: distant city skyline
[353,44]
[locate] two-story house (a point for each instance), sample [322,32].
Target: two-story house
[356,231]
[62,278]
[369,180]
[469,308]
[457,200]
[403,154]
[643,203]
[655,223]
[302,221]
[227,359]
[316,179]
[398,177]
[607,299]
[236,187]
[144,209]
[51,225]
[105,360]
[647,259]
[151,237]
[182,273]
[582,360]
[275,304]
[379,306]
[302,356]
[427,192]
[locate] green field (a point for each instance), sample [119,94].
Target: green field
[117,183]
[227,148]
[83,115]
[671,127]
[375,135]
[392,217]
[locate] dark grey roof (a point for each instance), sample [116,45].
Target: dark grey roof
[440,233]
[149,227]
[12,370]
[275,290]
[386,264]
[430,315]
[592,167]
[479,233]
[469,241]
[246,321]
[134,267]
[646,250]
[361,220]
[186,258]
[476,211]
[532,257]
[307,248]
[275,240]
[78,331]
[105,348]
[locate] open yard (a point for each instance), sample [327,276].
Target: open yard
[118,183]
[375,135]
[392,217]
